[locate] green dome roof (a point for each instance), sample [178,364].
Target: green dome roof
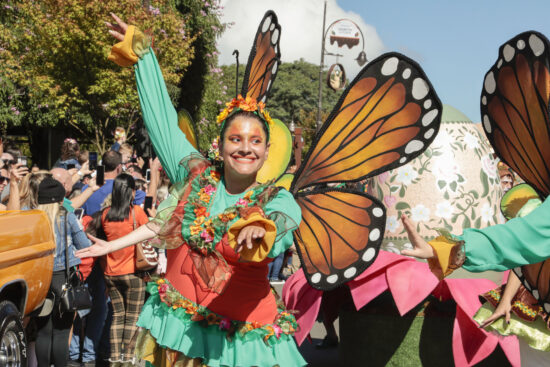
[451,114]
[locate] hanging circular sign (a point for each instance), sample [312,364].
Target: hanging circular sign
[345,32]
[336,78]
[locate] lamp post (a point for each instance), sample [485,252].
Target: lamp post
[361,58]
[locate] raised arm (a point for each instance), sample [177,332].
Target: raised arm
[159,115]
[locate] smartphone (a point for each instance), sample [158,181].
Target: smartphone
[100,177]
[22,160]
[70,166]
[92,157]
[148,203]
[148,175]
[79,213]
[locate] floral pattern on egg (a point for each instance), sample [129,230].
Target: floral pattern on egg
[454,184]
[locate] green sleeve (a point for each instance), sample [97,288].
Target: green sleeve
[286,214]
[160,117]
[520,241]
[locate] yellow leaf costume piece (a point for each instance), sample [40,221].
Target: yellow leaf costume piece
[449,256]
[260,250]
[134,45]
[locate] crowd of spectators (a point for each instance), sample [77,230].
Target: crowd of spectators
[76,202]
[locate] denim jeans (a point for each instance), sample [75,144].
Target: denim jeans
[275,267]
[95,321]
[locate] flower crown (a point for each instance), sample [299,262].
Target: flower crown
[241,104]
[69,140]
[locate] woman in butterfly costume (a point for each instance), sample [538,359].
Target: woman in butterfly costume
[515,115]
[214,306]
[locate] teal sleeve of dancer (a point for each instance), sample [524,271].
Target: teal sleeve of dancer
[160,117]
[286,214]
[520,241]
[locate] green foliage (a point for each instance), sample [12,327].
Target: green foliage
[294,96]
[201,89]
[55,68]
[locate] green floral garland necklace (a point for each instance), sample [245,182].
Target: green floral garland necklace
[203,231]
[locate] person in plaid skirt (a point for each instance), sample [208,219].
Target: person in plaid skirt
[126,289]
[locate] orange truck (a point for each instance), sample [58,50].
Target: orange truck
[27,248]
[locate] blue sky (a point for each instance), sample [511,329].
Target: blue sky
[455,42]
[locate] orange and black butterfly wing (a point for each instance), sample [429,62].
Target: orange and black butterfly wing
[264,60]
[339,236]
[387,116]
[514,108]
[515,116]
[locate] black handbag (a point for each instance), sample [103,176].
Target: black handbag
[74,296]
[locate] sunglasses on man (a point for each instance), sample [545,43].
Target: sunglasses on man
[4,180]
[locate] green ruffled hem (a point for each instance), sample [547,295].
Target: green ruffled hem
[535,333]
[173,329]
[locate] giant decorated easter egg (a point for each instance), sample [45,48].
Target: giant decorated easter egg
[454,185]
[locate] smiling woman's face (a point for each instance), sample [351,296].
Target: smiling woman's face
[244,146]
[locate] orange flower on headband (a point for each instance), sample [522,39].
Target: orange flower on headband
[249,104]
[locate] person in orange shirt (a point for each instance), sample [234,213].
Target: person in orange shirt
[126,289]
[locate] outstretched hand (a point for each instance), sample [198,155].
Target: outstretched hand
[503,309]
[117,30]
[249,235]
[99,248]
[421,248]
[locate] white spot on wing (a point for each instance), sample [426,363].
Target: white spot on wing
[508,52]
[499,63]
[518,272]
[536,44]
[490,84]
[429,117]
[406,73]
[350,272]
[275,36]
[369,254]
[390,66]
[266,24]
[427,103]
[332,278]
[374,235]
[487,124]
[521,44]
[274,69]
[414,146]
[272,27]
[403,160]
[535,294]
[377,212]
[547,307]
[315,278]
[420,88]
[428,134]
[484,100]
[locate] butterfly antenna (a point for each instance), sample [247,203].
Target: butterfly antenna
[236,53]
